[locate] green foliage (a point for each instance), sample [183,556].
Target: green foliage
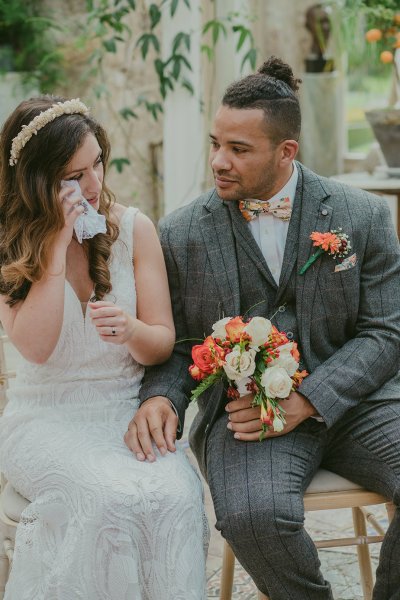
[154,108]
[205,384]
[27,33]
[106,23]
[355,17]
[119,163]
[107,31]
[218,28]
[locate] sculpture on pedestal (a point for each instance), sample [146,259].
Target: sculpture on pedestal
[318,24]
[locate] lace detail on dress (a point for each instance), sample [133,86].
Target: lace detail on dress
[101,525]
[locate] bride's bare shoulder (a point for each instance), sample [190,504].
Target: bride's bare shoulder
[117,212]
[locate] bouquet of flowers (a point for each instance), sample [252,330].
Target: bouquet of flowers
[253,357]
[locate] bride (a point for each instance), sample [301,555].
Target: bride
[86,315]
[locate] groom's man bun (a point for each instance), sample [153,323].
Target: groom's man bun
[272,89]
[276,68]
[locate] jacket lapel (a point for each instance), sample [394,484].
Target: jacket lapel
[315,215]
[292,244]
[216,229]
[247,242]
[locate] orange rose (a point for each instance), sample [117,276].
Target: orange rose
[234,329]
[208,356]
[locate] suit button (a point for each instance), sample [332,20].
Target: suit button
[324,212]
[289,335]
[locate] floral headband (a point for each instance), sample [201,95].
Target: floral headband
[69,107]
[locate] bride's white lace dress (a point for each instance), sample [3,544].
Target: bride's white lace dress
[101,525]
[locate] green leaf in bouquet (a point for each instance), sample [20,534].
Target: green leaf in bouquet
[205,384]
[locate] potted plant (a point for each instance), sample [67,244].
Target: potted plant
[383,36]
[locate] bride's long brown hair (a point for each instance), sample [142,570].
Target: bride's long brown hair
[30,211]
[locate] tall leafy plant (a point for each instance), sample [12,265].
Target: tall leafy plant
[27,41]
[108,30]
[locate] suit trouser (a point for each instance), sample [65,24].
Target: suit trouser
[258,487]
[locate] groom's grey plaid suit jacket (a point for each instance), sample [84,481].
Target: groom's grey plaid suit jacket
[348,321]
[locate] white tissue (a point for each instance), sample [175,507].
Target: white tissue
[89,223]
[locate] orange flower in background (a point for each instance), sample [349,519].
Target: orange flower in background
[388,35]
[373,35]
[327,241]
[386,56]
[234,329]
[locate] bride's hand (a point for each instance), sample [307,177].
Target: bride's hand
[111,322]
[72,207]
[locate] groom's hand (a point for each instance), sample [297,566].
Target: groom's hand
[244,418]
[155,421]
[245,422]
[298,408]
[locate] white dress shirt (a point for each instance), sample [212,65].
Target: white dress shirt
[270,233]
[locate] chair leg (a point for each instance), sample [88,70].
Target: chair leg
[364,559]
[390,509]
[228,568]
[4,563]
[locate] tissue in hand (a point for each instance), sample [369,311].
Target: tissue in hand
[89,223]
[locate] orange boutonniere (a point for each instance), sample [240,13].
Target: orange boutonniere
[334,242]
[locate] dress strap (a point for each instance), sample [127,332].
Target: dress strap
[126,228]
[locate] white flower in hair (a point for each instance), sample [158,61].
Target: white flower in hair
[69,107]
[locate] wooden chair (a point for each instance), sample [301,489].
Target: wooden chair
[329,491]
[11,503]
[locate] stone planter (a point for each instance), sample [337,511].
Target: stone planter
[385,124]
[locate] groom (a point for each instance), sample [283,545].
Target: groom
[343,312]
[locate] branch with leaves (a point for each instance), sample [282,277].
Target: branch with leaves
[108,27]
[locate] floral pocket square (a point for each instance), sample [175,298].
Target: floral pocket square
[347,263]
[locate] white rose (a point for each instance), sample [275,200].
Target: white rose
[285,360]
[258,329]
[276,382]
[218,329]
[239,365]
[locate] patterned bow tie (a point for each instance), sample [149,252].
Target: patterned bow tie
[280,208]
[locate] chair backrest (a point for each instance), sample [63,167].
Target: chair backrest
[5,375]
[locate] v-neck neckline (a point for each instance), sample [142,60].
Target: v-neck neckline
[78,300]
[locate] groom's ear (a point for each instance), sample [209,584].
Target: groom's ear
[287,151]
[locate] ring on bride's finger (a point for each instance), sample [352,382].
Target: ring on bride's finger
[113,330]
